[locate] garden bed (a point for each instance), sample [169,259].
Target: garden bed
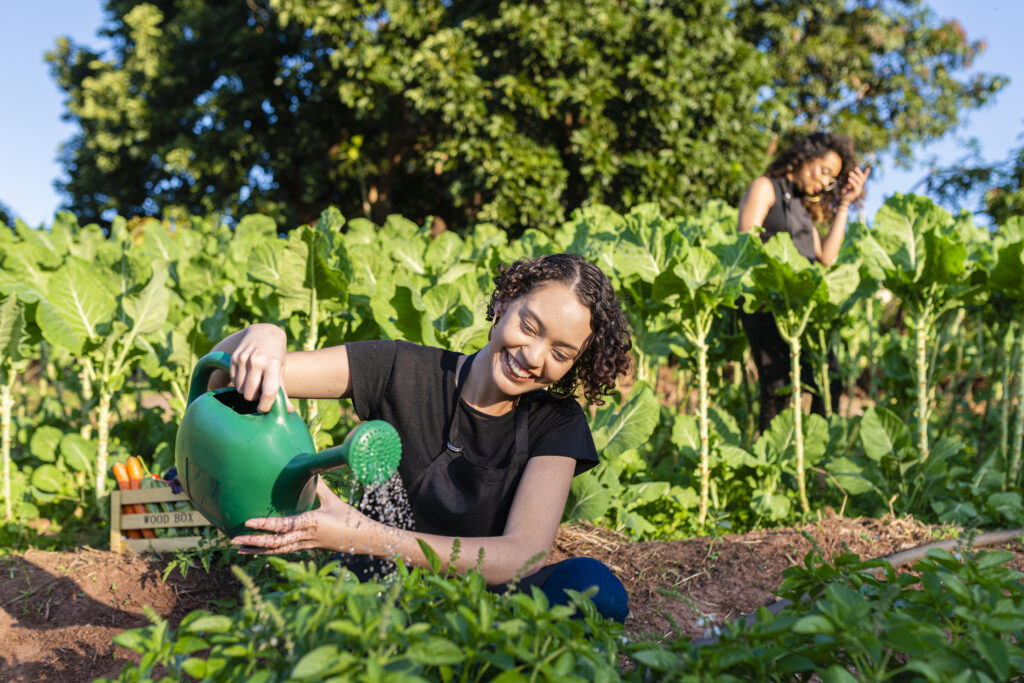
[62,609]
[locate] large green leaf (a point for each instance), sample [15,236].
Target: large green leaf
[78,453]
[148,310]
[48,479]
[883,433]
[588,499]
[50,252]
[1007,277]
[842,281]
[777,444]
[157,242]
[22,274]
[900,225]
[850,475]
[617,432]
[786,279]
[282,265]
[75,309]
[12,330]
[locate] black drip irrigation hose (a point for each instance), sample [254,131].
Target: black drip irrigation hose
[899,559]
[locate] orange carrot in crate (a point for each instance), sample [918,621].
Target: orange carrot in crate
[135,474]
[121,475]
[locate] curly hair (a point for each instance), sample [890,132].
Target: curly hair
[822,208]
[607,354]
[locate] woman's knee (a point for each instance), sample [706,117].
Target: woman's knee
[583,573]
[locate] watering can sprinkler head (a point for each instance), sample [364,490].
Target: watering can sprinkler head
[372,451]
[236,463]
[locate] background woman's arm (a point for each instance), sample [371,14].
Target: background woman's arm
[827,250]
[755,203]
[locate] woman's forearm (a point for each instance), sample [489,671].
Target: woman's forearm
[834,239]
[503,557]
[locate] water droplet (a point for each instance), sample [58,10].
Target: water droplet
[387,503]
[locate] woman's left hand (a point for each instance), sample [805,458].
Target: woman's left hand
[324,527]
[854,186]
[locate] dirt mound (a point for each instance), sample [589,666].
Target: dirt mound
[62,610]
[711,580]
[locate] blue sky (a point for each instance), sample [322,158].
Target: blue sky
[31,130]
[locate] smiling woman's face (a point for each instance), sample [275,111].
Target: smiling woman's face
[536,339]
[817,175]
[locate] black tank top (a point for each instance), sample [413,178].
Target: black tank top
[788,215]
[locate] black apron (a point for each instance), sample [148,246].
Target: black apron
[454,496]
[788,215]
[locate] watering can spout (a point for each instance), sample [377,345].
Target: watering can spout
[372,451]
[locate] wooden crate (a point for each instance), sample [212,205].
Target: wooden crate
[121,521]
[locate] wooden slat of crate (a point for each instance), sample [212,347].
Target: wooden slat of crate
[163,545]
[162,520]
[119,521]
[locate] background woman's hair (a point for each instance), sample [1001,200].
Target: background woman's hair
[814,146]
[607,355]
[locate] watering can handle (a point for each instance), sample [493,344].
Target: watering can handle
[220,360]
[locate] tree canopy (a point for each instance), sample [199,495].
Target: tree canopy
[6,217]
[994,189]
[514,112]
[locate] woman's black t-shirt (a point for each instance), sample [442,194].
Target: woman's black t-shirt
[413,388]
[788,215]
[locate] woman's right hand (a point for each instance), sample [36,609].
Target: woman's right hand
[257,365]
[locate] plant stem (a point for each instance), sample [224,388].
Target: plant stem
[702,422]
[44,362]
[6,403]
[921,377]
[869,314]
[1001,394]
[86,377]
[1018,430]
[798,421]
[102,443]
[825,388]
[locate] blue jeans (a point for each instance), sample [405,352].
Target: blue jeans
[580,574]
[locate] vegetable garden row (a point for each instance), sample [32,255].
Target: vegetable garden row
[99,332]
[923,309]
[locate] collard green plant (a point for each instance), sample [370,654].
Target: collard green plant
[1006,298]
[697,285]
[608,491]
[107,320]
[890,475]
[14,358]
[921,257]
[792,289]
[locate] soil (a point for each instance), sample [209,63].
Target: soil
[61,610]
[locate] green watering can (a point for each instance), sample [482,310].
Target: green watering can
[236,463]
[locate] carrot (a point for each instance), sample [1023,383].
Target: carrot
[135,472]
[121,475]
